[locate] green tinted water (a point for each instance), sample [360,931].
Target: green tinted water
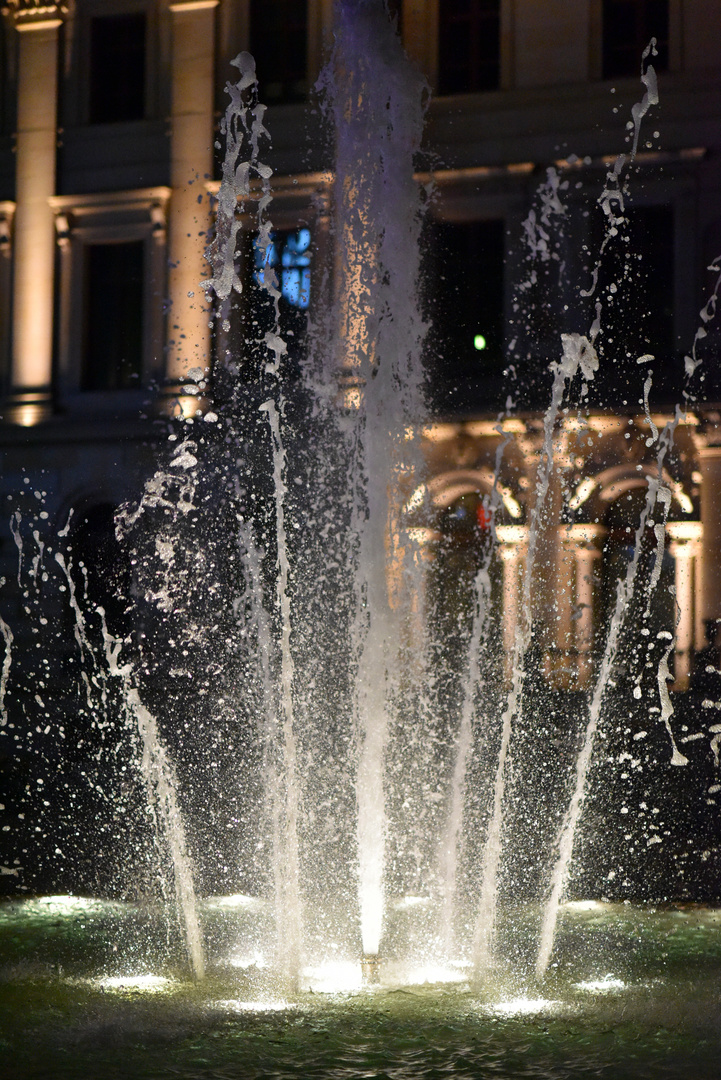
[90,990]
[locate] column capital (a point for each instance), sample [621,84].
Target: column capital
[178,6]
[26,408]
[586,534]
[7,212]
[707,436]
[35,14]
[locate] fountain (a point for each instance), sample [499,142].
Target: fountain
[319,814]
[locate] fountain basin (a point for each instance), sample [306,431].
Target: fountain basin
[633,991]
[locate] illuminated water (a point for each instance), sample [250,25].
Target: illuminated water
[279,724]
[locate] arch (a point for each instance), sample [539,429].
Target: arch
[599,491]
[443,489]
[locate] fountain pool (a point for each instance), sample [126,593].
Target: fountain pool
[87,991]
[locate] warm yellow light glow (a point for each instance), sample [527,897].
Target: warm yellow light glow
[187,406]
[29,415]
[683,500]
[510,503]
[581,493]
[684,530]
[422,536]
[351,398]
[416,500]
[440,432]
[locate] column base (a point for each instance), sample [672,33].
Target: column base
[174,401]
[26,408]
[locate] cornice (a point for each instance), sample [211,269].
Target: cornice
[35,14]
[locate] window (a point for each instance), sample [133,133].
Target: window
[465,294]
[468,46]
[628,26]
[117,68]
[113,345]
[278,41]
[289,256]
[112,272]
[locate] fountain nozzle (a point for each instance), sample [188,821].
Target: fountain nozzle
[371,969]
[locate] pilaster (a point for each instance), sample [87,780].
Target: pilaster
[191,153]
[708,443]
[30,393]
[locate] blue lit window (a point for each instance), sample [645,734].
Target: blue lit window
[288,254]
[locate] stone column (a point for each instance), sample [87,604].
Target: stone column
[709,454]
[191,167]
[684,543]
[512,549]
[7,211]
[420,35]
[34,231]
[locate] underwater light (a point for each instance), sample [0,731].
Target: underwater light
[608,982]
[334,977]
[479,342]
[67,905]
[405,902]
[232,1005]
[149,983]
[234,901]
[584,905]
[525,1006]
[434,973]
[257,960]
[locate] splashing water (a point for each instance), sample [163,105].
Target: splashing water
[313,621]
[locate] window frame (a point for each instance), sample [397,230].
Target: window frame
[76,109]
[115,217]
[595,40]
[504,38]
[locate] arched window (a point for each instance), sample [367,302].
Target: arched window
[463,547]
[651,610]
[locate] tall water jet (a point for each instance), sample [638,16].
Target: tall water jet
[376,104]
[245,133]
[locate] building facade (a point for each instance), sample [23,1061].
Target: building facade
[108,163]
